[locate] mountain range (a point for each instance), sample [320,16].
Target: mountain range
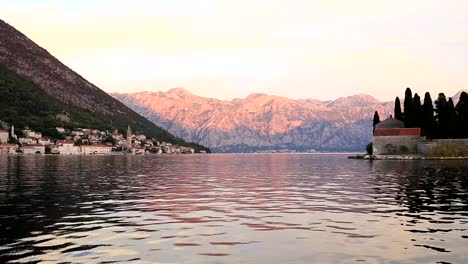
[262,122]
[36,88]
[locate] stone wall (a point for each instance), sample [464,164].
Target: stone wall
[396,145]
[424,146]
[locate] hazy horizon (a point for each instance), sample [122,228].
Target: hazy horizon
[223,49]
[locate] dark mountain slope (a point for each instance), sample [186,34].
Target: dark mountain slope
[31,78]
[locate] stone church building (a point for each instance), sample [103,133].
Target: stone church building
[391,138]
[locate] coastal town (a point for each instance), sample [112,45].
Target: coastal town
[82,141]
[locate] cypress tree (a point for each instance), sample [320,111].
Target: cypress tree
[376,120]
[408,108]
[451,120]
[441,116]
[397,112]
[417,110]
[428,121]
[462,113]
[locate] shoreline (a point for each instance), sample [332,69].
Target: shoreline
[106,154]
[395,157]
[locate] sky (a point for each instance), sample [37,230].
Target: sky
[226,49]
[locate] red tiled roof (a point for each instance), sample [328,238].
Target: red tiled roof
[99,146]
[3,131]
[7,145]
[397,132]
[32,146]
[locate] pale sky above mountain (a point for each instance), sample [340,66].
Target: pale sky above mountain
[320,49]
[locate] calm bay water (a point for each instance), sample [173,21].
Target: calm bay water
[240,208]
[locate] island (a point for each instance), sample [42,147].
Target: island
[420,131]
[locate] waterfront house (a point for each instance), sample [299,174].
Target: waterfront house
[117,136]
[94,139]
[6,148]
[26,131]
[27,141]
[67,147]
[96,149]
[186,150]
[32,134]
[167,149]
[4,136]
[392,138]
[44,141]
[122,142]
[33,149]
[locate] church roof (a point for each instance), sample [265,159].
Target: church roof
[390,123]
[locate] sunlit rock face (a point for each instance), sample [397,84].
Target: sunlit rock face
[262,122]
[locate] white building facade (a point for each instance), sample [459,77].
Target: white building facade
[67,147]
[4,136]
[27,141]
[33,149]
[6,148]
[95,149]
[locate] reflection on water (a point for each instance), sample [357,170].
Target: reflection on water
[232,209]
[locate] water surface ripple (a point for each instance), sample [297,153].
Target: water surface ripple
[239,208]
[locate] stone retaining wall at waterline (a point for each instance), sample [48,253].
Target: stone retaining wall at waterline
[424,146]
[411,145]
[396,145]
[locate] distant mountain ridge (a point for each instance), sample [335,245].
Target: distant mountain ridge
[262,122]
[31,73]
[456,97]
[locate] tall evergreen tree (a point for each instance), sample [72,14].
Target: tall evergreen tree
[408,108]
[417,110]
[451,120]
[397,112]
[462,113]
[441,116]
[428,121]
[376,120]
